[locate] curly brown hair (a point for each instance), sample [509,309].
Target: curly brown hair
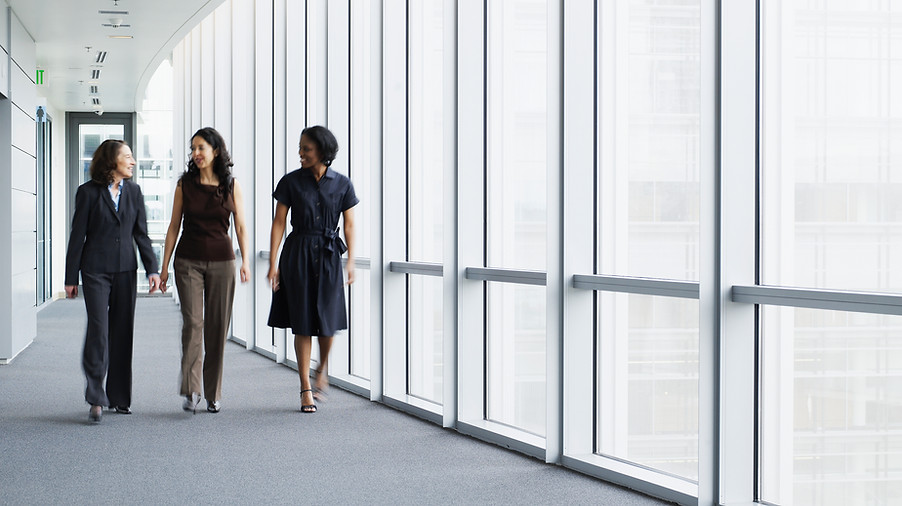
[222,164]
[105,160]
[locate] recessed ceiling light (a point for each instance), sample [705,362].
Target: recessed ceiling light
[121,36]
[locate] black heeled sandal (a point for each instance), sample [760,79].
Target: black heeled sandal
[307,408]
[319,394]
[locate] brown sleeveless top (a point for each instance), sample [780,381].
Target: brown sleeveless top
[206,211]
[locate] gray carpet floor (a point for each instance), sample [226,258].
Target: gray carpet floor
[259,450]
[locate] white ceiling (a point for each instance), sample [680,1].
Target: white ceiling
[64,29]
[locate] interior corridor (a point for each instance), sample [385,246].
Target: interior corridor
[352,451]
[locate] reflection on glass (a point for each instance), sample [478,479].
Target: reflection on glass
[831,423]
[649,118]
[424,330]
[516,172]
[648,381]
[516,356]
[830,212]
[832,174]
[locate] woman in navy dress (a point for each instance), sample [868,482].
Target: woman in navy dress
[307,281]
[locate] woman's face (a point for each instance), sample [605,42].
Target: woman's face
[125,162]
[202,153]
[309,153]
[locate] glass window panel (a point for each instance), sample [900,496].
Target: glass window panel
[425,189]
[425,173]
[516,171]
[89,139]
[649,138]
[361,144]
[831,172]
[424,330]
[153,155]
[361,148]
[831,397]
[648,381]
[516,176]
[360,323]
[516,356]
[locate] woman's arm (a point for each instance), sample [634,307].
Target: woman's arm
[275,240]
[348,216]
[76,242]
[175,225]
[241,232]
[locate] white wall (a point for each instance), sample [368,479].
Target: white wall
[18,218]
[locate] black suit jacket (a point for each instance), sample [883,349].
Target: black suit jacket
[103,240]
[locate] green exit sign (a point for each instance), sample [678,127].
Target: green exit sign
[39,77]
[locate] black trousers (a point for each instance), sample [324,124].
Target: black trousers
[110,303]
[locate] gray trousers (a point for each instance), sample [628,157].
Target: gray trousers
[206,291]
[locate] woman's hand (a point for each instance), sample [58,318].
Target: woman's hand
[164,277]
[154,281]
[245,272]
[350,268]
[273,278]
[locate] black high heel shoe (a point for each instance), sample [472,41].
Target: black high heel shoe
[319,394]
[307,408]
[95,414]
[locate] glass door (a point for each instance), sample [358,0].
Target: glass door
[44,271]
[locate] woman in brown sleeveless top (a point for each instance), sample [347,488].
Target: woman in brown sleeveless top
[205,198]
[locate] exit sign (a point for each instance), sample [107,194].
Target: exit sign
[39,77]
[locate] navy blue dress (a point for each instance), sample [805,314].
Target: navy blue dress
[311,298]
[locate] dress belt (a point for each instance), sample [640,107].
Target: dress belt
[333,240]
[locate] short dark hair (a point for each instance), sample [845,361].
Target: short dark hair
[105,160]
[325,142]
[222,164]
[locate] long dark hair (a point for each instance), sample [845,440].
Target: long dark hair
[325,142]
[105,161]
[222,164]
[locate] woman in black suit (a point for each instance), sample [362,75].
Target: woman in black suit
[109,220]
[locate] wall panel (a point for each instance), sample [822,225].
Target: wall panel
[23,90]
[4,26]
[23,173]
[24,327]
[18,253]
[4,73]
[22,48]
[24,135]
[23,245]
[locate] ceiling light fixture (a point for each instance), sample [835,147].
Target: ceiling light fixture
[116,23]
[101,56]
[95,74]
[121,36]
